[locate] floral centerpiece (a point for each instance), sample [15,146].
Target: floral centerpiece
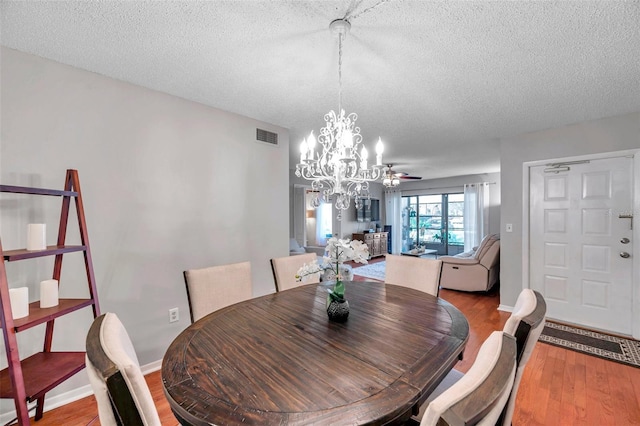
[337,252]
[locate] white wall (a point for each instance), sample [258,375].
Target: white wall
[591,137]
[168,185]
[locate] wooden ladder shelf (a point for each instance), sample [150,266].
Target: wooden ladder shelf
[27,380]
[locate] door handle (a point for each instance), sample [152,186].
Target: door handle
[625,241]
[624,254]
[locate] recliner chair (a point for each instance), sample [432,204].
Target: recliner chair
[474,270]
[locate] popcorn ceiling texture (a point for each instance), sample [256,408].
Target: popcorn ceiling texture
[440,82]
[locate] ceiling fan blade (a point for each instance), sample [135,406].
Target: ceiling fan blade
[403,175]
[390,173]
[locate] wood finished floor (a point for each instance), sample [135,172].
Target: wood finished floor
[559,387]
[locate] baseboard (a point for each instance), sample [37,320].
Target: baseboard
[73,395]
[53,402]
[151,367]
[505,308]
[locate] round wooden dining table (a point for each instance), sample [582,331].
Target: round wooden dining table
[277,359]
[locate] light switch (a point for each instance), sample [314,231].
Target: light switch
[509,227]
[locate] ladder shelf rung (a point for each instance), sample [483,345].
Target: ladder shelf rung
[21,254]
[38,315]
[37,191]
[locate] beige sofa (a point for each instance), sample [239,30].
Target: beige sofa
[295,248]
[474,270]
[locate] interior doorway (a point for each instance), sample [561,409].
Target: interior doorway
[312,225]
[319,221]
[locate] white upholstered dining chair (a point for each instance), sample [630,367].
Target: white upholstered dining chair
[481,394]
[119,386]
[216,287]
[525,324]
[414,272]
[285,269]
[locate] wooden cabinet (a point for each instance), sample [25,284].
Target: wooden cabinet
[27,380]
[383,243]
[365,238]
[375,241]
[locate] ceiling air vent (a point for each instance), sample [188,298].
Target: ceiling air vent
[266,136]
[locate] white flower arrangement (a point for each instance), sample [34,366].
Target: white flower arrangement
[337,252]
[340,251]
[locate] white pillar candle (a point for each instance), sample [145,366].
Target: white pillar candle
[19,302]
[48,293]
[379,151]
[36,236]
[303,151]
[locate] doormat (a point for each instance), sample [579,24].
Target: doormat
[612,348]
[374,270]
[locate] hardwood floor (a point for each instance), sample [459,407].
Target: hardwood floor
[559,387]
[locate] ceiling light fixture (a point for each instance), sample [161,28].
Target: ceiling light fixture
[339,165]
[390,179]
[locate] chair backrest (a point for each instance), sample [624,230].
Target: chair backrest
[525,324]
[488,252]
[481,394]
[285,269]
[414,272]
[216,287]
[121,392]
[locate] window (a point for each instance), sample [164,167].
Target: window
[434,221]
[324,224]
[455,219]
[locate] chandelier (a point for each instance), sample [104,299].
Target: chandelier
[337,162]
[390,178]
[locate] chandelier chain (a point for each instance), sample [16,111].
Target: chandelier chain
[339,73]
[369,9]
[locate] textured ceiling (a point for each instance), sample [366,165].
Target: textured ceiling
[440,82]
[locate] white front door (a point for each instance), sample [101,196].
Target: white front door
[578,242]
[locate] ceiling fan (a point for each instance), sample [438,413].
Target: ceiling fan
[392,178]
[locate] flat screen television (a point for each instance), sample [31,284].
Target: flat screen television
[369,212]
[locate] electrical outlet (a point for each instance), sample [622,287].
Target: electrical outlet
[174,315]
